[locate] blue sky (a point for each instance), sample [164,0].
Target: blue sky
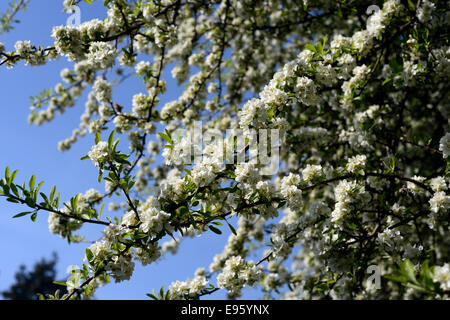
[33,150]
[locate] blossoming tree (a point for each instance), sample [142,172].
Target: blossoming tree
[358,95]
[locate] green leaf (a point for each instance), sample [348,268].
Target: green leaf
[98,138]
[392,163]
[32,182]
[320,48]
[39,187]
[168,133]
[22,214]
[33,217]
[232,228]
[215,230]
[152,296]
[101,209]
[310,47]
[60,283]
[416,287]
[407,269]
[30,202]
[57,199]
[399,278]
[386,81]
[426,272]
[165,137]
[324,42]
[74,202]
[89,255]
[13,175]
[52,194]
[44,197]
[7,173]
[111,140]
[115,145]
[14,190]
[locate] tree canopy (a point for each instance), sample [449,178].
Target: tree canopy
[39,281]
[316,131]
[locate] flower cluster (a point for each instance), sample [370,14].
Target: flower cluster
[99,152]
[442,276]
[102,55]
[236,274]
[362,157]
[444,145]
[347,194]
[29,53]
[190,288]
